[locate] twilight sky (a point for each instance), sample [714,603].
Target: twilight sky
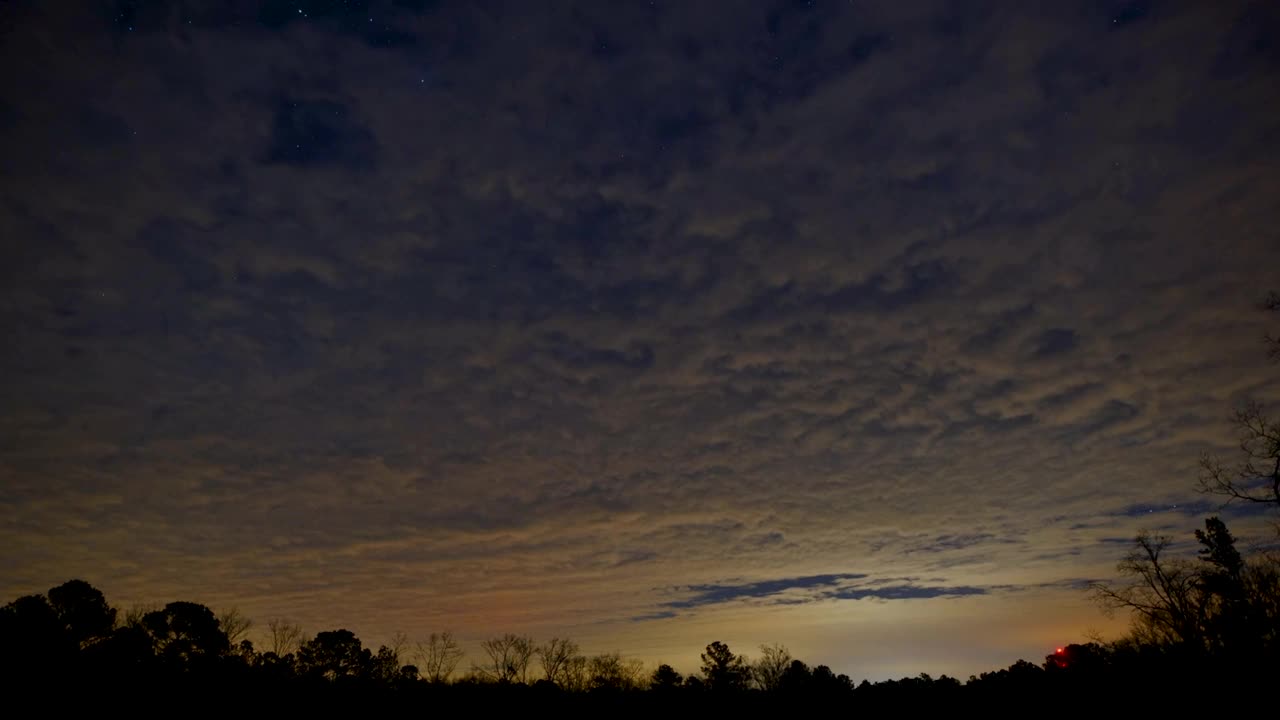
[871,328]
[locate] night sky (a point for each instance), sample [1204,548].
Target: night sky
[876,329]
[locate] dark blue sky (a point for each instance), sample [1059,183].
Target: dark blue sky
[856,326]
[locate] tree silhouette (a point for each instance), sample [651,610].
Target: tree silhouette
[1223,607]
[1213,620]
[334,655]
[795,678]
[385,666]
[1255,477]
[285,637]
[234,624]
[722,670]
[33,639]
[609,671]
[665,678]
[555,656]
[1160,592]
[439,656]
[824,679]
[508,658]
[83,611]
[769,669]
[39,632]
[576,677]
[185,635]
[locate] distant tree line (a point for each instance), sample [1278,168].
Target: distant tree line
[71,637]
[1219,625]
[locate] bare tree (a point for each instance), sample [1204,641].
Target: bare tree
[612,672]
[439,655]
[575,675]
[1222,605]
[286,637]
[556,655]
[1162,594]
[234,624]
[1256,477]
[397,646]
[133,616]
[508,658]
[773,662]
[636,674]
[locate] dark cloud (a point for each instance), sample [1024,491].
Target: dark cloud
[906,592]
[815,588]
[722,593]
[662,615]
[1057,341]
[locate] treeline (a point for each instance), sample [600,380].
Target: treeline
[71,640]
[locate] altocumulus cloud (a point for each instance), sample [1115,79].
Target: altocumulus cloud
[632,298]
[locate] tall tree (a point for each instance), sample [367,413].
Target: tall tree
[185,635]
[1160,592]
[665,678]
[796,678]
[1223,607]
[334,655]
[33,640]
[723,670]
[83,611]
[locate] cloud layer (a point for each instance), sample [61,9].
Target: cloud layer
[494,318]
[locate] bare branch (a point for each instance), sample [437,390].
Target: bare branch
[1256,477]
[286,637]
[234,624]
[439,655]
[508,659]
[1163,595]
[556,655]
[773,662]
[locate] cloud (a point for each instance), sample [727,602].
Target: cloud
[907,592]
[525,319]
[718,593]
[660,615]
[1056,342]
[946,543]
[810,589]
[308,133]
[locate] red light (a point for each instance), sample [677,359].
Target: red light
[1059,651]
